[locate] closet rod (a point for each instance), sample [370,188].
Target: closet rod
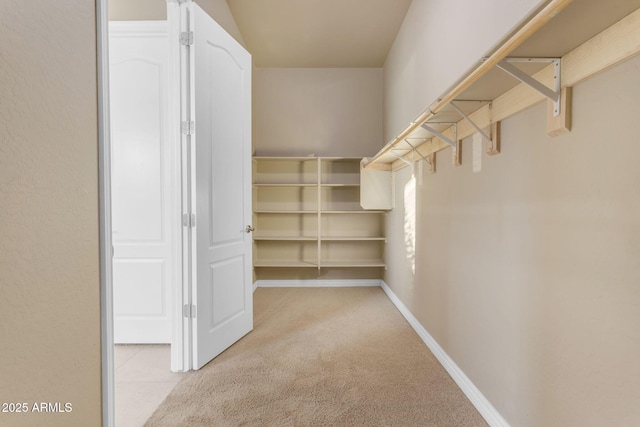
[534,24]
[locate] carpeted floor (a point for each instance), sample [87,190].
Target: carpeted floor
[321,357]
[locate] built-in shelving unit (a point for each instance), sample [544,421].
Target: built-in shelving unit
[307,215]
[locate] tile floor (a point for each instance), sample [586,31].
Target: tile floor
[143,380]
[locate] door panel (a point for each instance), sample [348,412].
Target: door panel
[227,298]
[222,288]
[143,264]
[137,133]
[138,280]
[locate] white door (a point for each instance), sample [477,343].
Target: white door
[143,184]
[221,190]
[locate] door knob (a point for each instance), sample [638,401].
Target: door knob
[249,229]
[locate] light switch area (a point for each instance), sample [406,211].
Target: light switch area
[477,152]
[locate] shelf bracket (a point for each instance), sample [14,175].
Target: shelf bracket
[401,157]
[471,122]
[429,159]
[415,150]
[552,94]
[446,139]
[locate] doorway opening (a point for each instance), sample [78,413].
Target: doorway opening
[202,172]
[145,220]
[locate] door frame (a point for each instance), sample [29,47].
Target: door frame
[106,248]
[181,333]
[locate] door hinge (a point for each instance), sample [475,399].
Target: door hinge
[189,311]
[188,128]
[186,38]
[189,221]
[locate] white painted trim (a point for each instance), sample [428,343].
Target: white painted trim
[180,339]
[179,15]
[106,247]
[486,409]
[315,283]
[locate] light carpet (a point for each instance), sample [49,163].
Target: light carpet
[321,357]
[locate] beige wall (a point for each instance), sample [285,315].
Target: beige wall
[49,260]
[439,41]
[326,111]
[149,10]
[528,272]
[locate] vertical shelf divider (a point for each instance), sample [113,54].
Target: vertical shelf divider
[319,207]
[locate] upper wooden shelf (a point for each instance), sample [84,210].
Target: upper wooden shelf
[353,212]
[277,158]
[284,211]
[332,159]
[353,239]
[587,35]
[285,185]
[286,238]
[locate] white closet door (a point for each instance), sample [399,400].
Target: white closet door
[142,193]
[222,288]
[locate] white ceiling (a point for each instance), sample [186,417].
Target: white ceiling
[319,33]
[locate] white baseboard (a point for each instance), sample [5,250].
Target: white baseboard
[486,409]
[315,283]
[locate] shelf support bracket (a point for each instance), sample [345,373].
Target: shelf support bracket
[430,160]
[432,131]
[415,150]
[400,157]
[471,122]
[552,94]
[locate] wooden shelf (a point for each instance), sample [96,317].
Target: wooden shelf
[354,212]
[284,263]
[287,159]
[284,212]
[600,36]
[285,185]
[297,199]
[286,238]
[354,263]
[353,239]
